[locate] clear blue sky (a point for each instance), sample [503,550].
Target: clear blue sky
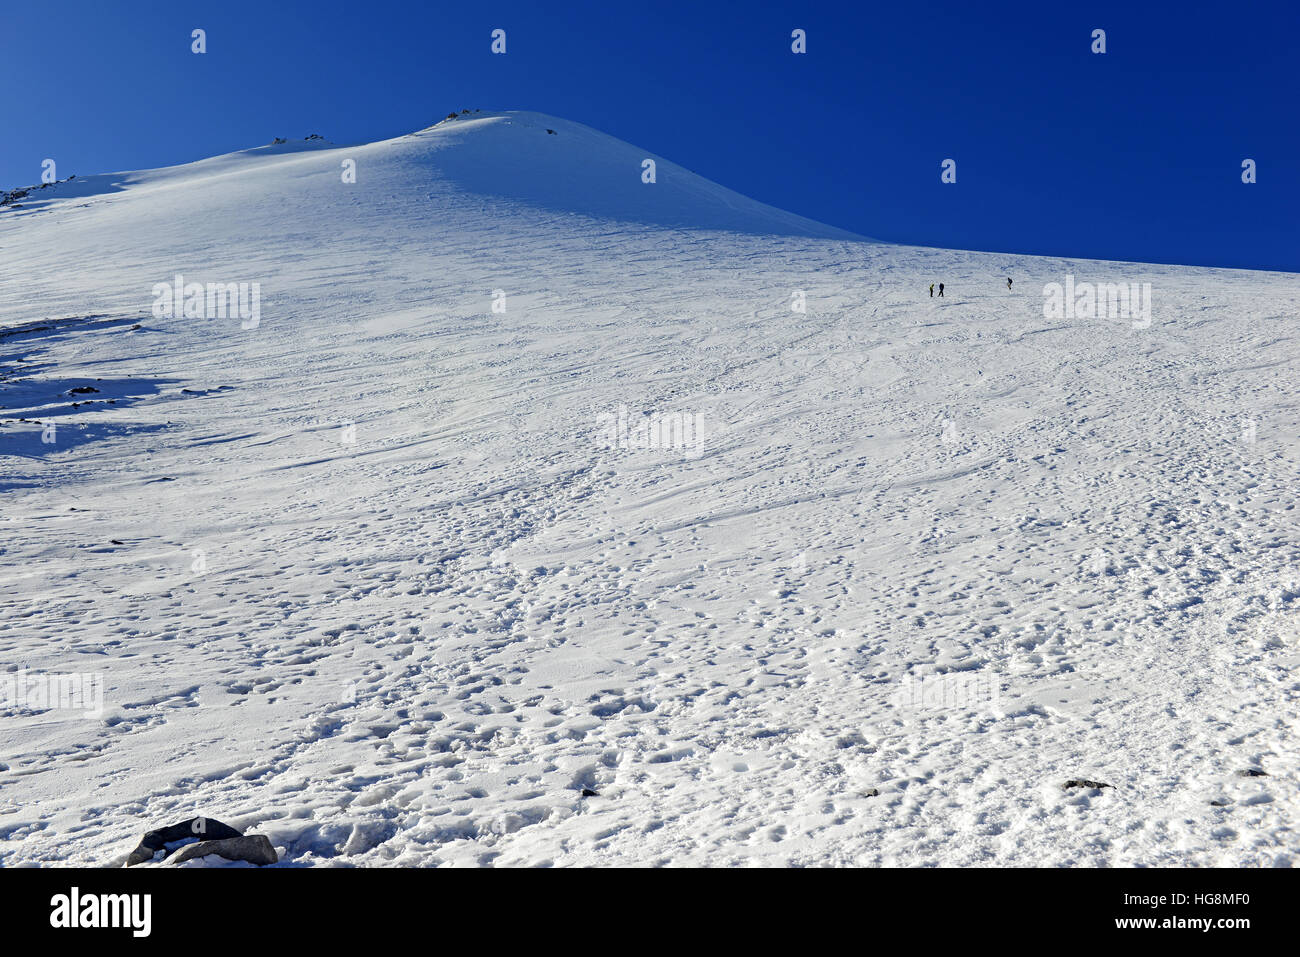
[1135,154]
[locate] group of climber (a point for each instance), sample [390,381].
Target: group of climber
[941,288]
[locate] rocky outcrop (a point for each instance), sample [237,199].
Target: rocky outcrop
[202,837]
[168,839]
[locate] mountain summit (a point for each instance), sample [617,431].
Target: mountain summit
[522,158]
[564,166]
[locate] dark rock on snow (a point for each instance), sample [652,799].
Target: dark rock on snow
[1083,783]
[204,829]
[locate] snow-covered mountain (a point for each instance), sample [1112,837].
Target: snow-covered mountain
[519,477]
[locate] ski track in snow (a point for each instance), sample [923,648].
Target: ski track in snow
[419,647]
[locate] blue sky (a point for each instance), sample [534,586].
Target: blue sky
[1135,154]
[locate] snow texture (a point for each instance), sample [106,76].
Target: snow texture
[868,584]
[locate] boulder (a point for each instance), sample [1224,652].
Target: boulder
[253,848]
[203,829]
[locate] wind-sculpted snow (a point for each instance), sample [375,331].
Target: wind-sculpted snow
[395,576]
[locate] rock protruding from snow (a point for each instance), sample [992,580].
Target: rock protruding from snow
[168,839]
[253,848]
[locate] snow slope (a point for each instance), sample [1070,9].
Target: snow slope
[368,577]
